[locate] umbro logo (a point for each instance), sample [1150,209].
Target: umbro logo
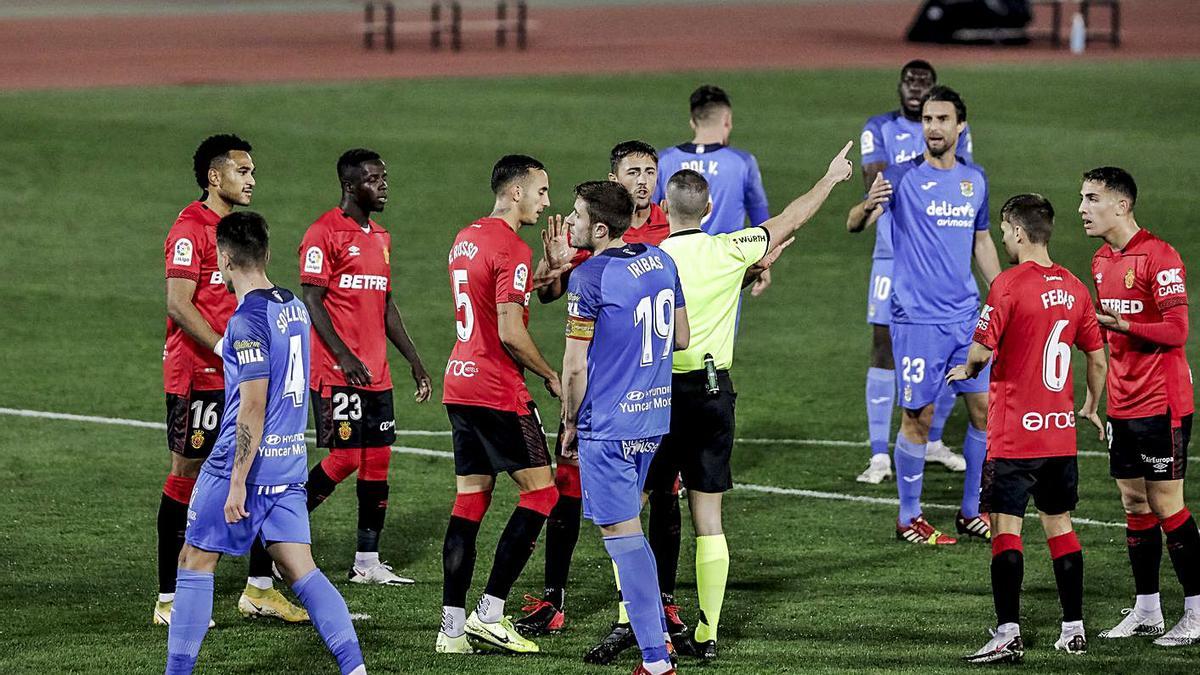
[904,136]
[353,251]
[926,186]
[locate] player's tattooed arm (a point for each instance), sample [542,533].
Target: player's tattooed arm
[353,369]
[398,334]
[977,358]
[247,436]
[1097,372]
[184,313]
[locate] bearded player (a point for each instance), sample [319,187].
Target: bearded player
[1035,312]
[1140,283]
[198,307]
[345,269]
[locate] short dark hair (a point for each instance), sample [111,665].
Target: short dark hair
[918,64]
[692,194]
[1033,213]
[351,161]
[706,100]
[609,203]
[510,168]
[940,93]
[626,148]
[243,235]
[211,150]
[1115,179]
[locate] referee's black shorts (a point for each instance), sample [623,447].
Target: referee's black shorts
[700,444]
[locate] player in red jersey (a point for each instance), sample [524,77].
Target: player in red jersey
[633,164]
[198,307]
[495,424]
[345,270]
[1140,283]
[1034,313]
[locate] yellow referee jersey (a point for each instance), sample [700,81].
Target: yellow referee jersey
[711,270]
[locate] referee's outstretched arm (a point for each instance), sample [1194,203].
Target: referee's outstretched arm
[804,207]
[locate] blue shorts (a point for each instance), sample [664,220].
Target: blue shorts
[879,293]
[925,353]
[277,513]
[613,474]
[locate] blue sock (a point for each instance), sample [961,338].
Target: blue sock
[974,451]
[943,405]
[189,620]
[910,472]
[331,618]
[639,590]
[881,398]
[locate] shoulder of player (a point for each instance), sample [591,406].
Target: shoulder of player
[1154,246]
[972,167]
[193,217]
[876,121]
[895,173]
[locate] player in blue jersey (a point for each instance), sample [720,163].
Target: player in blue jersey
[625,318]
[734,181]
[939,210]
[252,485]
[894,138]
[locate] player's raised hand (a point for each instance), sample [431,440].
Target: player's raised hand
[957,374]
[841,169]
[880,192]
[355,371]
[555,245]
[1112,320]
[424,383]
[235,503]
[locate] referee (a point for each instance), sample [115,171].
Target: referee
[712,271]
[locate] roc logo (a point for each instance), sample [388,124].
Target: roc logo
[344,431]
[908,393]
[1129,278]
[197,440]
[967,188]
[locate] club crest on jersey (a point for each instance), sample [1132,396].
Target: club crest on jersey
[387,256]
[314,260]
[1129,278]
[198,440]
[183,252]
[520,277]
[908,393]
[344,431]
[967,188]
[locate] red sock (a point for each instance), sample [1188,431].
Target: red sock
[179,488]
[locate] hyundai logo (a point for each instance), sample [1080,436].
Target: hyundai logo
[635,395]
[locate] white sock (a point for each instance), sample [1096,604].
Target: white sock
[366,560]
[166,597]
[657,668]
[360,670]
[1147,604]
[1072,627]
[490,609]
[261,583]
[1009,629]
[454,621]
[1192,603]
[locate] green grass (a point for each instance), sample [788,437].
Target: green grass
[93,179]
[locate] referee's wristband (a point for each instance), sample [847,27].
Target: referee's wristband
[219,348]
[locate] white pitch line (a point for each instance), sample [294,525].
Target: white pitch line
[442,454]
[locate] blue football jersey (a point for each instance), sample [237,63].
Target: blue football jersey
[734,183]
[267,338]
[894,139]
[631,294]
[935,215]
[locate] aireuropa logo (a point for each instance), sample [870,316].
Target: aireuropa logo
[1036,421]
[459,368]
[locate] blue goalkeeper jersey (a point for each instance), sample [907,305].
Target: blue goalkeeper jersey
[267,338]
[629,295]
[894,139]
[734,183]
[935,215]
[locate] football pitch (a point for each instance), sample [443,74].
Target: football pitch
[93,179]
